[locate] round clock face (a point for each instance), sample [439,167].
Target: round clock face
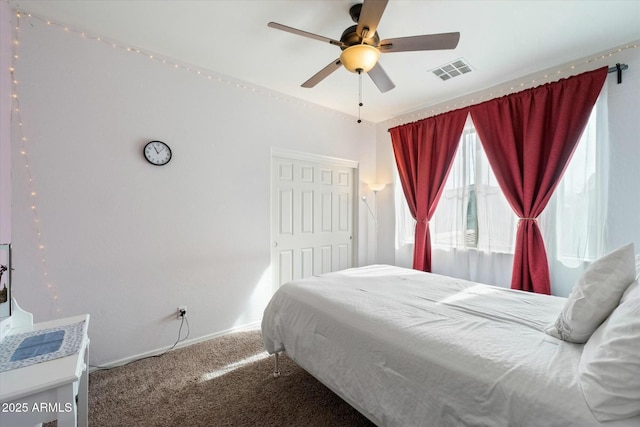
[157,153]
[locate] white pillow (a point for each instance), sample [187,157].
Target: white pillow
[595,295]
[609,368]
[633,285]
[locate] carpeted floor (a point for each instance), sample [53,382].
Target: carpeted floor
[226,381]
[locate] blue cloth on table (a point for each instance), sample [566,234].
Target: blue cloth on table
[38,345]
[72,340]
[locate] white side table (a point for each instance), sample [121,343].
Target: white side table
[47,391]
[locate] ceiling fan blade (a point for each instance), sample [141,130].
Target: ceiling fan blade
[380,78]
[322,74]
[425,42]
[370,15]
[304,33]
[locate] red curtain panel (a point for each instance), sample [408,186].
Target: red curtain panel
[529,137]
[424,152]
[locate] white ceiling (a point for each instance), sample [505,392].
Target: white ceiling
[502,40]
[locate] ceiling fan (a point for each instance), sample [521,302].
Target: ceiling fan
[361,46]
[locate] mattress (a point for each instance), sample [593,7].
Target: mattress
[409,348]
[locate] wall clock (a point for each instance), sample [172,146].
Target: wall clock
[157,153]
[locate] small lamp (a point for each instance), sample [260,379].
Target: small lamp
[377,187]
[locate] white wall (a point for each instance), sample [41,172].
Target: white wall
[125,241]
[5,119]
[624,125]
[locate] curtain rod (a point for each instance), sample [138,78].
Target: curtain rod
[618,69]
[615,69]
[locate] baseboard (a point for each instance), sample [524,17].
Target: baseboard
[186,343]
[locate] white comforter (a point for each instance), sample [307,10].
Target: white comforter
[407,348]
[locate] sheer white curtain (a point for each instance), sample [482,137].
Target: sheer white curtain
[473,228]
[472,212]
[455,219]
[574,222]
[405,226]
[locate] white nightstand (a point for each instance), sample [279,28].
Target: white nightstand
[47,391]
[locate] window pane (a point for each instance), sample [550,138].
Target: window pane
[405,224]
[580,199]
[497,223]
[473,212]
[447,227]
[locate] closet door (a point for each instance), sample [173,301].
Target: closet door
[312,216]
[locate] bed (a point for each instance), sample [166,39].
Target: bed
[409,348]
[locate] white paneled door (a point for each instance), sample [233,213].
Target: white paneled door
[312,215]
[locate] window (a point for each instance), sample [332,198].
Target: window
[405,224]
[472,211]
[573,223]
[474,214]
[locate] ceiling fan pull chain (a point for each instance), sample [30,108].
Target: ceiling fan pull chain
[359,93]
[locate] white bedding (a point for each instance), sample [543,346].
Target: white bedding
[410,348]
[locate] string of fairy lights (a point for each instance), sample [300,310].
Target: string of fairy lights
[220,79]
[23,141]
[500,91]
[173,63]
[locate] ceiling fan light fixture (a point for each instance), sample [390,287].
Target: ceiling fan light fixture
[360,57]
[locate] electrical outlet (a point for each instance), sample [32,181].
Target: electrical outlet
[182,312]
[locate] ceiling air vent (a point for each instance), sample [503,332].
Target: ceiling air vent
[453,69]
